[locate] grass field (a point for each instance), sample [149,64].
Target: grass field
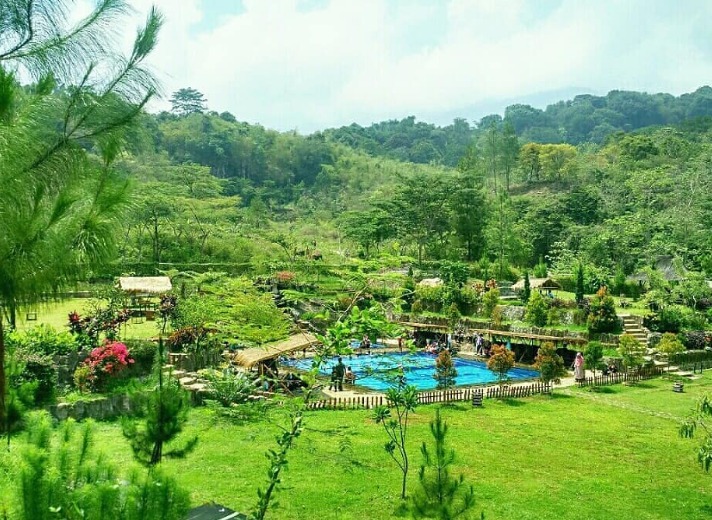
[576,455]
[56,314]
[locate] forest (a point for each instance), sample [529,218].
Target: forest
[215,191]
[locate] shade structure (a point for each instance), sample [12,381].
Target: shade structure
[538,283]
[145,284]
[251,356]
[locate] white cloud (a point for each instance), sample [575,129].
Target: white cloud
[375,59]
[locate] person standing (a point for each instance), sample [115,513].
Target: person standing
[579,373]
[338,374]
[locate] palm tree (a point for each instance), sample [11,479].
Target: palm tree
[59,205]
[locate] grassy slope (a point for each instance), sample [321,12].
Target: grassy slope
[576,455]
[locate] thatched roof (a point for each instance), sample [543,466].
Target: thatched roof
[251,356]
[537,283]
[665,265]
[145,284]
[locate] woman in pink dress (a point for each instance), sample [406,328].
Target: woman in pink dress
[579,374]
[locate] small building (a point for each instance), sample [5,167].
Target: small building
[540,284]
[666,266]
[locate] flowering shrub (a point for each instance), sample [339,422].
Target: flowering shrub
[104,363]
[88,328]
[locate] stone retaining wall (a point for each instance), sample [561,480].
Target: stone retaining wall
[99,409]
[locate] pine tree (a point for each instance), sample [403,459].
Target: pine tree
[440,494]
[527,288]
[60,207]
[165,414]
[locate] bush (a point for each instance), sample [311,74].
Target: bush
[537,310]
[669,345]
[43,340]
[417,307]
[38,369]
[690,356]
[489,302]
[602,315]
[106,362]
[229,388]
[696,339]
[143,353]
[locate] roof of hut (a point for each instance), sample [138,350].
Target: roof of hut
[665,265]
[537,283]
[251,356]
[145,284]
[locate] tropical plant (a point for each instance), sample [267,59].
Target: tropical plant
[700,419]
[105,362]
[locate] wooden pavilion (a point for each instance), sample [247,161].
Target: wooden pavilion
[141,288]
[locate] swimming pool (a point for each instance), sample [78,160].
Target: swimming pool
[371,371]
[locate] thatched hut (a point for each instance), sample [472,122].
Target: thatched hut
[145,285]
[540,284]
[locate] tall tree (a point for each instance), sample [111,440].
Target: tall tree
[187,101]
[469,205]
[58,206]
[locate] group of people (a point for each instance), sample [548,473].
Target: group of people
[341,374]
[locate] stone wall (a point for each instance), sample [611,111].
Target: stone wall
[99,409]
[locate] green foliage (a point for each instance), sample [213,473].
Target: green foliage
[42,339]
[402,401]
[631,350]
[440,495]
[490,300]
[500,362]
[278,462]
[40,372]
[602,315]
[62,477]
[669,345]
[527,292]
[187,101]
[537,310]
[541,270]
[445,372]
[549,364]
[229,388]
[700,420]
[579,283]
[164,415]
[593,356]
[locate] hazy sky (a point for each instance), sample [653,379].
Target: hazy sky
[313,64]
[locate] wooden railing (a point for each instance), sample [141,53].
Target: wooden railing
[622,377]
[435,396]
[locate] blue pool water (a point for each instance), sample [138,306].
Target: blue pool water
[371,371]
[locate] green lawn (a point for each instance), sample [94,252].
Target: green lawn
[577,455]
[56,314]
